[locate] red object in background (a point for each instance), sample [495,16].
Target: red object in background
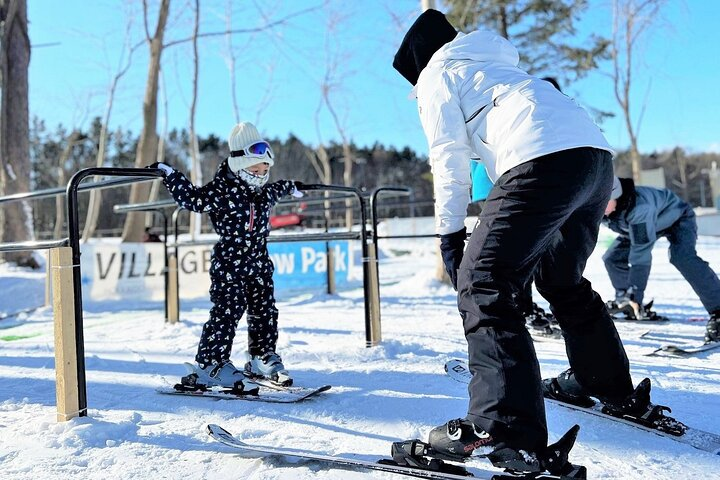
[286,220]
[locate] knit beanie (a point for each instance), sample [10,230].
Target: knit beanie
[426,36]
[242,136]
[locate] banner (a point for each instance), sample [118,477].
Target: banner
[135,271]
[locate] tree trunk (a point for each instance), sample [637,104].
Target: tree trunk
[195,171]
[60,202]
[148,143]
[95,201]
[16,217]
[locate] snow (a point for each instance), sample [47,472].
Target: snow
[382,394]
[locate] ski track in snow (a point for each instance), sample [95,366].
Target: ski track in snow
[392,392]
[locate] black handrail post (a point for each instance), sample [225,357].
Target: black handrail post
[176,227]
[74,242]
[166,271]
[369,340]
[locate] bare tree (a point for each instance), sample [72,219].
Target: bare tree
[75,137]
[631,19]
[148,144]
[95,201]
[15,218]
[231,60]
[195,170]
[332,81]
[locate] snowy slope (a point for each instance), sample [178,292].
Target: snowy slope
[395,391]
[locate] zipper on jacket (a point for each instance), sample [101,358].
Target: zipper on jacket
[252,216]
[477,112]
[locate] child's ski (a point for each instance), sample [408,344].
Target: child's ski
[254,393]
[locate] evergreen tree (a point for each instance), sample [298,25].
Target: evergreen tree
[541,30]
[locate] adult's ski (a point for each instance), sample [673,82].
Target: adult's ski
[454,472]
[710,442]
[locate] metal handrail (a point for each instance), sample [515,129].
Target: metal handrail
[74,242]
[57,191]
[301,237]
[155,208]
[33,245]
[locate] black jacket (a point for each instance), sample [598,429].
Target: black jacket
[239,213]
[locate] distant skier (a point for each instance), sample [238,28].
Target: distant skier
[641,215]
[552,172]
[238,200]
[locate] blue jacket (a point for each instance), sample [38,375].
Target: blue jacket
[647,214]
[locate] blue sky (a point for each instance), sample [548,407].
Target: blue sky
[279,71]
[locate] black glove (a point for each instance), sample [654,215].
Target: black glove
[299,185]
[452,246]
[166,169]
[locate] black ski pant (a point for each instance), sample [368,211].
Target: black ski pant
[546,214]
[234,290]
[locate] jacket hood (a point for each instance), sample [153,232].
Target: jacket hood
[479,46]
[426,36]
[626,200]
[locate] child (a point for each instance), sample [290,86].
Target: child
[239,201]
[641,215]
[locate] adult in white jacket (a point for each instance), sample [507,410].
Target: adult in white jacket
[552,173]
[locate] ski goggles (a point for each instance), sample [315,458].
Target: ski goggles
[257,149]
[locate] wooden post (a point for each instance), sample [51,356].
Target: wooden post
[173,290]
[330,268]
[66,375]
[374,293]
[48,280]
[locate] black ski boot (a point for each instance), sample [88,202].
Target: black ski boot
[540,323]
[637,408]
[458,439]
[712,327]
[554,460]
[540,312]
[629,310]
[565,388]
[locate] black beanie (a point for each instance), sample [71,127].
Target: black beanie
[426,36]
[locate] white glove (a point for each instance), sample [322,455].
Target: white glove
[167,169]
[297,193]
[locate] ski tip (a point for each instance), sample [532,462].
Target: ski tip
[213,429]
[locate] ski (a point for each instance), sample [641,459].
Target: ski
[552,334]
[259,393]
[677,345]
[6,315]
[684,350]
[710,442]
[384,465]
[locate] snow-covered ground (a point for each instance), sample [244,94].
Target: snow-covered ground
[395,391]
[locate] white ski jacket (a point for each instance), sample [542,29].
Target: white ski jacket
[475,103]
